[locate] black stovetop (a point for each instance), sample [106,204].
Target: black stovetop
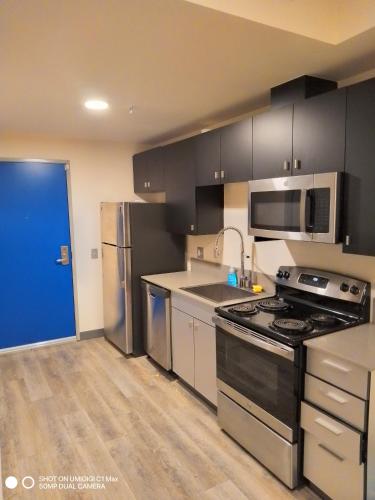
[308,320]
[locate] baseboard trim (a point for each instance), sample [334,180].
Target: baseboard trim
[37,345]
[91,334]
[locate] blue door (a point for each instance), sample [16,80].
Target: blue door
[36,297]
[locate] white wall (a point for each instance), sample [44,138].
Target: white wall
[99,172]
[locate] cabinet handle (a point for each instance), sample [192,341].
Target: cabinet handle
[328,426]
[216,175]
[297,164]
[330,452]
[336,366]
[286,165]
[190,323]
[347,240]
[192,227]
[149,184]
[335,397]
[145,184]
[222,174]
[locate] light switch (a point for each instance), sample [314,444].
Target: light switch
[94,253]
[200,253]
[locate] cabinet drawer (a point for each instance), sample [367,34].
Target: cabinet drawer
[339,438]
[348,408]
[339,372]
[339,478]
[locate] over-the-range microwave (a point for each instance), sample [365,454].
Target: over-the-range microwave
[304,207]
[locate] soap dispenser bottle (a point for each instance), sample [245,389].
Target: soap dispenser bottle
[232,277]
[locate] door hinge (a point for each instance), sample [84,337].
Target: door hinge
[347,240]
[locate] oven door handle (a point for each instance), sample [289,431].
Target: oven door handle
[252,338]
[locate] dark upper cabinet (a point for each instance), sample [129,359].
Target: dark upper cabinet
[319,133]
[207,158]
[190,209]
[359,187]
[140,173]
[148,170]
[272,143]
[236,152]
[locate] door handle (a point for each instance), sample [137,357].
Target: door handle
[302,211]
[336,366]
[286,165]
[327,425]
[64,259]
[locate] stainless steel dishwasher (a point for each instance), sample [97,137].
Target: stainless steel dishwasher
[157,324]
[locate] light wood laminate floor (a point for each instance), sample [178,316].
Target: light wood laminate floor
[84,409]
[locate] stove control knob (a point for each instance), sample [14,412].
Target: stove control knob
[286,275]
[344,287]
[354,290]
[279,274]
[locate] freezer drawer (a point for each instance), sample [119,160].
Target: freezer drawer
[157,324]
[117,295]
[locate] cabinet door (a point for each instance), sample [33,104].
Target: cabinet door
[207,158]
[156,170]
[319,133]
[140,172]
[183,345]
[272,143]
[205,360]
[180,187]
[236,152]
[359,206]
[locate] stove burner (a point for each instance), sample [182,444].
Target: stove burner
[290,325]
[323,319]
[244,309]
[272,305]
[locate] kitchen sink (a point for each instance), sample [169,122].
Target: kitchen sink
[219,292]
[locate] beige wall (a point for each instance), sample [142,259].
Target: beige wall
[98,172]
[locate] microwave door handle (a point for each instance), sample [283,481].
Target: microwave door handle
[302,211]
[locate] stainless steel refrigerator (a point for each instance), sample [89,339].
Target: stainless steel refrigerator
[135,242]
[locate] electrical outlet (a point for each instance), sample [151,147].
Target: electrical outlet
[94,253]
[200,253]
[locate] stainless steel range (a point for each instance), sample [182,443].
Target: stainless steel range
[261,360]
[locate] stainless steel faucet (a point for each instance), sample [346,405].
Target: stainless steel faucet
[217,251]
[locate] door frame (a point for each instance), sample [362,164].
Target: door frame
[66,164]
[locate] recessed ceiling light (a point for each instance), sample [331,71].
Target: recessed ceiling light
[96,104]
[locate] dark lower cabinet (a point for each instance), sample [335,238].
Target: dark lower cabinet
[319,134]
[190,209]
[272,143]
[148,171]
[359,188]
[236,152]
[207,158]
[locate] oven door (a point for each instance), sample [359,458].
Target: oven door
[277,207]
[260,374]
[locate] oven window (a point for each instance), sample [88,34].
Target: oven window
[276,210]
[265,378]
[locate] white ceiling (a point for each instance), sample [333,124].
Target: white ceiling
[182,65]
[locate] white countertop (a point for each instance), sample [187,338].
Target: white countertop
[356,345]
[175,281]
